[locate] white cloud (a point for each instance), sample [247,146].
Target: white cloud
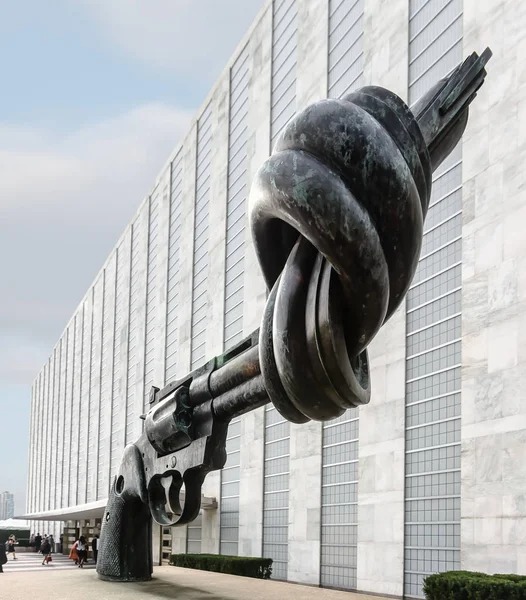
[190,37]
[64,201]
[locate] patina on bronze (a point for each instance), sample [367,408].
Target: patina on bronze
[337,215]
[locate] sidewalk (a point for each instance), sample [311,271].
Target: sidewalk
[169,583]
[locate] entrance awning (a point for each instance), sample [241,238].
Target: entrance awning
[92,510]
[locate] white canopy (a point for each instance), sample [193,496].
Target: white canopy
[14,524]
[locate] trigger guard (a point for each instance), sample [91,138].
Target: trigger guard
[159,496]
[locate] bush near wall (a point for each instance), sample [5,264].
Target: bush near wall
[469,585]
[247,566]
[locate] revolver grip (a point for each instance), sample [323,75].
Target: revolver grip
[125,548]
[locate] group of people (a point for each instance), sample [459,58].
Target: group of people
[46,546]
[37,541]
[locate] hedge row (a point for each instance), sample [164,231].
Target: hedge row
[246,566]
[469,585]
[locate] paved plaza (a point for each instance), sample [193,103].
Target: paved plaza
[169,582]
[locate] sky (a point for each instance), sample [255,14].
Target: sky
[94,95]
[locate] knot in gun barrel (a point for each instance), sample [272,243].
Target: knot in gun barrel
[337,219]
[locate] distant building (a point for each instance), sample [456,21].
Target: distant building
[430,476]
[7,506]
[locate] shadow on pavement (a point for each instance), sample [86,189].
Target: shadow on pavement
[165,589]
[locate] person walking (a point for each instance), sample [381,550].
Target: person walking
[46,551]
[3,558]
[52,543]
[82,551]
[11,543]
[73,554]
[95,547]
[38,542]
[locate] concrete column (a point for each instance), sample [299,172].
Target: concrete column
[381,465]
[380,557]
[313,41]
[386,45]
[305,440]
[305,503]
[179,540]
[252,424]
[157,542]
[493,431]
[210,531]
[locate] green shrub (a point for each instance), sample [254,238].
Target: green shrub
[469,585]
[247,566]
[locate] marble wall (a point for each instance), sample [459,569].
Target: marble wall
[494,297]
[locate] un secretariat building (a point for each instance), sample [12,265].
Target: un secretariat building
[431,475]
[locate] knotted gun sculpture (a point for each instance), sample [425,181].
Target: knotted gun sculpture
[337,215]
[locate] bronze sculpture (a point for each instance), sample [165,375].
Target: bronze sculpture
[337,217]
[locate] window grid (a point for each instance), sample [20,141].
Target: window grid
[75,416]
[284,47]
[66,431]
[94,401]
[136,288]
[339,503]
[229,505]
[275,491]
[432,505]
[236,200]
[106,383]
[152,297]
[200,260]
[85,390]
[122,292]
[174,248]
[345,48]
[194,535]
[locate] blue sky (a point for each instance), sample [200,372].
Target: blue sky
[94,95]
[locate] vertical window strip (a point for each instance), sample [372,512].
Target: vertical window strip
[229,505]
[75,414]
[136,286]
[152,297]
[200,307]
[121,316]
[276,491]
[194,535]
[284,49]
[236,201]
[108,311]
[95,370]
[85,399]
[346,60]
[174,266]
[339,502]
[58,388]
[432,504]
